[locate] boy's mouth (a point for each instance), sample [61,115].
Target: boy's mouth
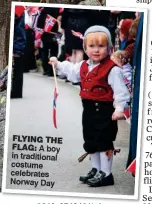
[96,55]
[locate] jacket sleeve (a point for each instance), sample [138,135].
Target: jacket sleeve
[70,70]
[121,94]
[19,35]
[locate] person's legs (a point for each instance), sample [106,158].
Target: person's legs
[53,52]
[95,160]
[73,56]
[106,163]
[78,55]
[17,78]
[104,177]
[44,56]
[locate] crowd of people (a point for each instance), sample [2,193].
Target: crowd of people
[40,33]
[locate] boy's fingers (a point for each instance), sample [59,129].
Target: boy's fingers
[113,117]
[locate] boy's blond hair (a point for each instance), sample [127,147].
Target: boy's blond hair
[96,38]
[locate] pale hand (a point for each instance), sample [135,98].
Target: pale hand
[117,115]
[53,60]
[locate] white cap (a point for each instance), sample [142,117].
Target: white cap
[97,28]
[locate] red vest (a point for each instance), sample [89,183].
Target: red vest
[94,84]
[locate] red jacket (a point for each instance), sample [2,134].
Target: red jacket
[94,85]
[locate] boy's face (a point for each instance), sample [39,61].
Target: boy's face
[96,52]
[96,49]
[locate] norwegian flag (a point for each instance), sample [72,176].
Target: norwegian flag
[38,43]
[132,167]
[61,10]
[128,84]
[38,33]
[127,113]
[49,23]
[54,107]
[77,34]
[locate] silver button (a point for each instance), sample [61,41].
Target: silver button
[96,104]
[97,109]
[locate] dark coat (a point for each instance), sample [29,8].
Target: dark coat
[19,35]
[80,20]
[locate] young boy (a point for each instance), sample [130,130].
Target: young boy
[104,96]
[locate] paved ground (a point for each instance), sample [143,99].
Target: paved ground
[32,115]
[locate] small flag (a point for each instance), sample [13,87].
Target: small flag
[49,23]
[38,33]
[127,113]
[77,34]
[54,107]
[128,84]
[132,167]
[38,43]
[61,10]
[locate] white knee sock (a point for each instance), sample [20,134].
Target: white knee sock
[95,160]
[106,164]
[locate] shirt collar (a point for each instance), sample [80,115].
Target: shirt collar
[91,63]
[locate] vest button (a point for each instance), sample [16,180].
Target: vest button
[97,109]
[96,104]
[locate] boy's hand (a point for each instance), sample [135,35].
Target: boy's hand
[53,60]
[117,115]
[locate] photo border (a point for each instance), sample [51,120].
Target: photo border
[87,195]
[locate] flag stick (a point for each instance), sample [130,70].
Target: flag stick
[55,79]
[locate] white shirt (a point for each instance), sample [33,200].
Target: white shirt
[115,79]
[127,72]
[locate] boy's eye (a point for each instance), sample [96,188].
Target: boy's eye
[91,45]
[100,45]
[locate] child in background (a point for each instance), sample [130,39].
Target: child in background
[104,96]
[120,58]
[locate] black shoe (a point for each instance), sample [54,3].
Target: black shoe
[90,175]
[76,84]
[50,74]
[66,81]
[100,179]
[44,73]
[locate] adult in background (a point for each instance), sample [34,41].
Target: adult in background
[50,45]
[29,52]
[114,19]
[77,20]
[18,51]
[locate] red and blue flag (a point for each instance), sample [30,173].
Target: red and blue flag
[54,107]
[49,23]
[38,33]
[132,167]
[77,34]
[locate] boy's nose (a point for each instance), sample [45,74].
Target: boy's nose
[96,49]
